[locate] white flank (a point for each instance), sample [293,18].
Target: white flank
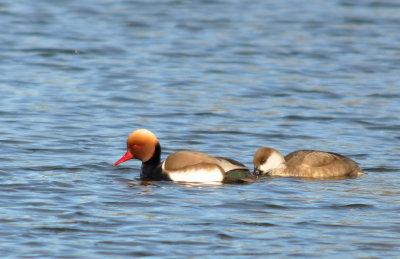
[196,175]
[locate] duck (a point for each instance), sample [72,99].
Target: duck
[182,166]
[304,163]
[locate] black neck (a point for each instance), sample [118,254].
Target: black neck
[151,169]
[156,158]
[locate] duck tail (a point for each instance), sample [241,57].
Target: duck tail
[239,176]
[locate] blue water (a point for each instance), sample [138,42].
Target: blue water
[222,77]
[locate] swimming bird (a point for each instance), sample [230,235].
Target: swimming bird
[304,163]
[182,166]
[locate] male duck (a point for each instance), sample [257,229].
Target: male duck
[182,166]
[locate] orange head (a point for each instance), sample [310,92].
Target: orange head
[141,144]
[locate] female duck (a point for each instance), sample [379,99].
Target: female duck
[182,166]
[304,163]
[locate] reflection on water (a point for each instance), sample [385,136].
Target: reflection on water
[222,77]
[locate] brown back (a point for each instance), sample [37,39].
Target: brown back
[312,163]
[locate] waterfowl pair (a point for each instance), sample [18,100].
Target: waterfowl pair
[182,166]
[304,163]
[185,166]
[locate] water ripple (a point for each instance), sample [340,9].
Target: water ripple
[78,78]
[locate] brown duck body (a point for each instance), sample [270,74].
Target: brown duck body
[182,166]
[304,163]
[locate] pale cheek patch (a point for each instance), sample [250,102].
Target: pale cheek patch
[274,160]
[264,168]
[197,176]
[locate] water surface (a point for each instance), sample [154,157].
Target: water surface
[222,77]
